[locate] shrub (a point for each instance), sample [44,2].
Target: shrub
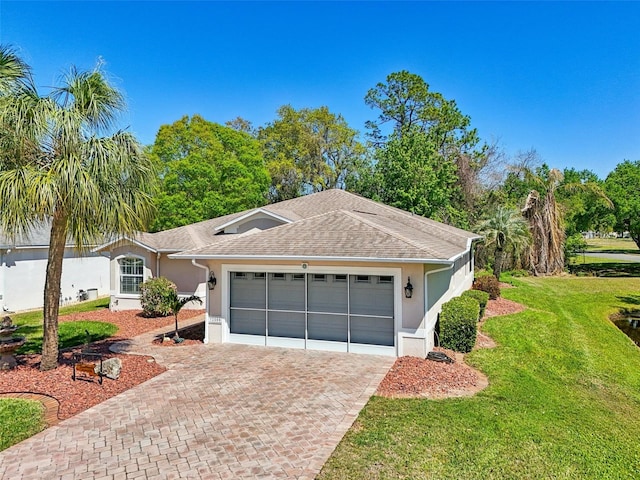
[489,284]
[155,297]
[481,297]
[459,324]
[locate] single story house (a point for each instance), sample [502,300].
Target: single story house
[23,266]
[330,271]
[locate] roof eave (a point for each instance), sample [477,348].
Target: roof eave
[129,239]
[439,261]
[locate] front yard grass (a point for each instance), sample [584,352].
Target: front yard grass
[562,401]
[70,333]
[19,419]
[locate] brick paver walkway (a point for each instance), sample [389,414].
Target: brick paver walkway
[219,412]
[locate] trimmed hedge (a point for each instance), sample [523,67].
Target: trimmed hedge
[489,284]
[480,296]
[155,297]
[459,324]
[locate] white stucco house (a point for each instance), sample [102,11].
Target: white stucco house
[330,271]
[23,265]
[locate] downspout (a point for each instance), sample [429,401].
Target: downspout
[206,298]
[158,255]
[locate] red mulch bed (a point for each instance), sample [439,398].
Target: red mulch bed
[74,397]
[418,377]
[192,335]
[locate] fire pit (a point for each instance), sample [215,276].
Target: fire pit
[8,344]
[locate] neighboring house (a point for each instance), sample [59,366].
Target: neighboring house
[23,265]
[325,271]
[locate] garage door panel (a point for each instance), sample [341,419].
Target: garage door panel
[248,290]
[372,330]
[327,294]
[369,296]
[286,292]
[248,322]
[286,324]
[327,327]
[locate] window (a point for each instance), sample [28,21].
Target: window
[339,278]
[131,275]
[298,276]
[278,276]
[319,277]
[258,276]
[362,278]
[385,279]
[240,275]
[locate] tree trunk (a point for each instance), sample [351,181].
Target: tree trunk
[52,291]
[497,265]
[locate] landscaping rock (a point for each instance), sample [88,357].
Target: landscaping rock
[110,368]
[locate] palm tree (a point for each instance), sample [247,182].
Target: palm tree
[62,164]
[506,231]
[176,303]
[546,219]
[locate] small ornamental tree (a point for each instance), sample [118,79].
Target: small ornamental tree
[459,324]
[176,303]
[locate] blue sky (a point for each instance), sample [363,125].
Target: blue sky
[563,78]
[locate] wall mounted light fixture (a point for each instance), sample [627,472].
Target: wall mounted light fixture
[212,282]
[408,289]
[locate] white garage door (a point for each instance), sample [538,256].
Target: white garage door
[338,312]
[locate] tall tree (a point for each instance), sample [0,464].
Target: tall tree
[309,150]
[505,232]
[408,174]
[64,165]
[406,106]
[622,185]
[206,170]
[586,206]
[546,222]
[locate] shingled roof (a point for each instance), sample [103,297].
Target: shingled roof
[334,224]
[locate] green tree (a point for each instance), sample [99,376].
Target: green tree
[206,170]
[622,186]
[61,164]
[406,106]
[505,231]
[309,150]
[585,204]
[408,174]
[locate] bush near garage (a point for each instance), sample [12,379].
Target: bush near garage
[155,297]
[489,284]
[459,324]
[480,296]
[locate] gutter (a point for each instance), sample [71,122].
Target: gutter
[206,298]
[298,258]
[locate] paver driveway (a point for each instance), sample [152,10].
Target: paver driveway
[221,411]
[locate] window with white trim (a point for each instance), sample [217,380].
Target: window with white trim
[131,275]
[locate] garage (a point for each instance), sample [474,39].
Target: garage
[323,311]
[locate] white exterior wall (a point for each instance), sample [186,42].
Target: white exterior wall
[23,271]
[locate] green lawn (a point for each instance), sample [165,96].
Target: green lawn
[563,399]
[70,333]
[19,419]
